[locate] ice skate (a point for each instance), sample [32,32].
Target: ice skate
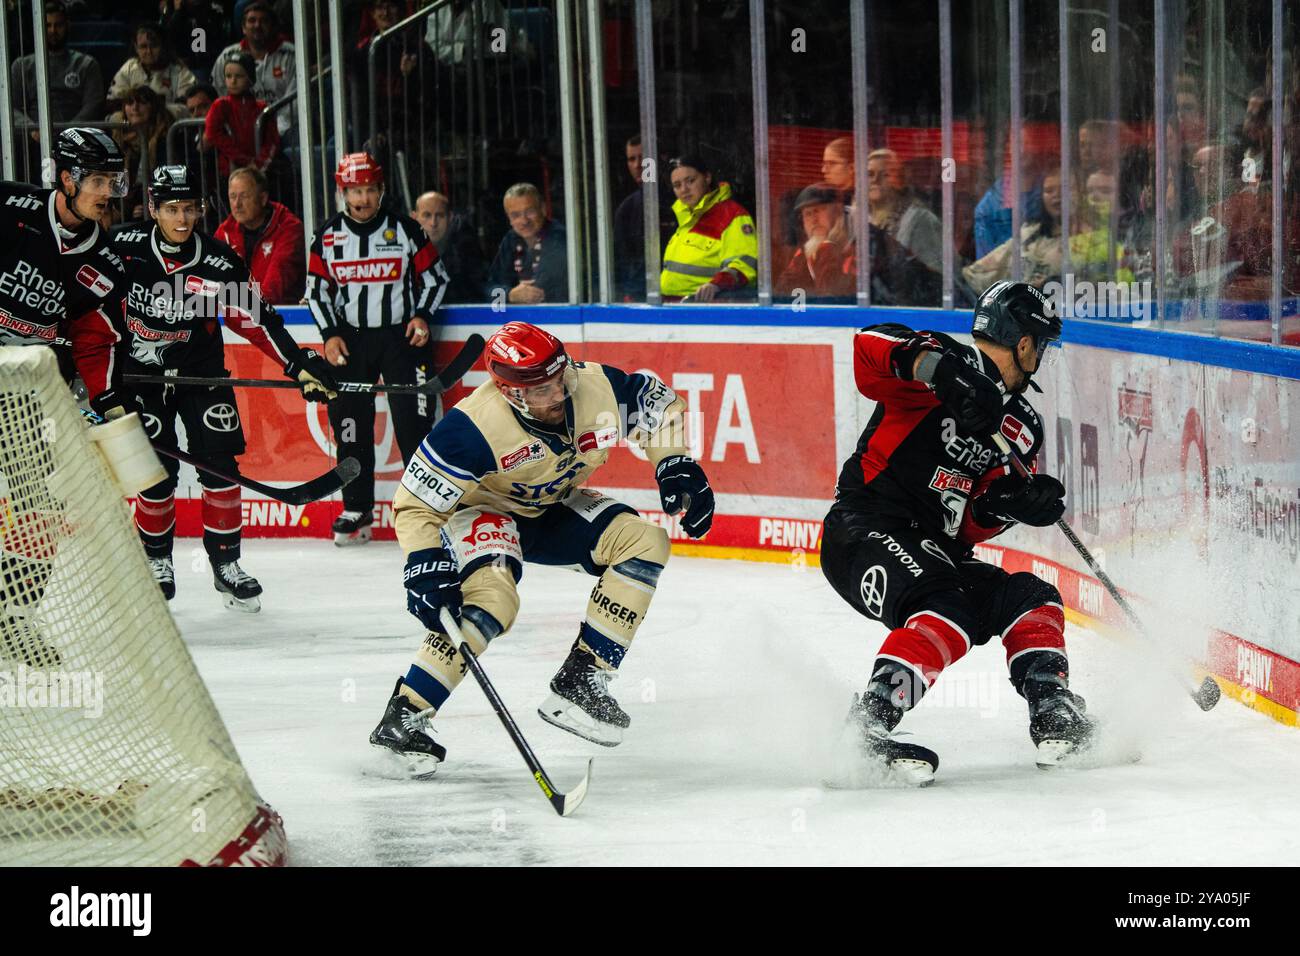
[164,572]
[1059,726]
[238,589]
[352,527]
[580,701]
[898,762]
[405,738]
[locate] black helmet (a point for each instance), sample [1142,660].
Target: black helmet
[83,150]
[1008,311]
[172,183]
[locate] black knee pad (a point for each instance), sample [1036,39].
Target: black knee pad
[1024,592]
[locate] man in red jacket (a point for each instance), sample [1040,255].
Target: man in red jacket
[266,235]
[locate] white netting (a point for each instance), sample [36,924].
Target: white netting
[111,750]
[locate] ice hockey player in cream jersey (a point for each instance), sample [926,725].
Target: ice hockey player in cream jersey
[498,482]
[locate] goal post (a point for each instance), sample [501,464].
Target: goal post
[111,749]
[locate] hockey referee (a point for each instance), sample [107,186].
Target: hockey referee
[374,282]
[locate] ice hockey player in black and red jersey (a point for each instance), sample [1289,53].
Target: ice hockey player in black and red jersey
[60,283]
[374,282]
[180,282]
[925,484]
[61,286]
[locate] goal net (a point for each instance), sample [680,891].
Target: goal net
[111,750]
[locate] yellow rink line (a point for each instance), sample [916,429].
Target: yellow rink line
[1245,695]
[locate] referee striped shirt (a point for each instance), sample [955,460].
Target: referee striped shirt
[370,275]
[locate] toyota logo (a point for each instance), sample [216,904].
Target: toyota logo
[873,587]
[152,425]
[221,418]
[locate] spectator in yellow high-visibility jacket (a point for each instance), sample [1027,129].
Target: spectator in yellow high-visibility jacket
[715,247]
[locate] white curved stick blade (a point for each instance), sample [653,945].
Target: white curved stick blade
[573,799]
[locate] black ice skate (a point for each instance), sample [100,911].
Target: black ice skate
[165,574]
[21,642]
[238,588]
[580,702]
[404,736]
[875,719]
[352,527]
[1058,724]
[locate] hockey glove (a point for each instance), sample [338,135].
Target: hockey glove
[111,404]
[431,585]
[313,375]
[684,487]
[1038,500]
[970,395]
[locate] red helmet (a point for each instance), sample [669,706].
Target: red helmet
[358,169]
[519,356]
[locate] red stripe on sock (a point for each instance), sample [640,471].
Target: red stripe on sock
[1043,628]
[929,644]
[155,517]
[221,511]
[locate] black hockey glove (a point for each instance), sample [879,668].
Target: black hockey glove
[111,404]
[1037,500]
[313,375]
[970,395]
[431,585]
[684,487]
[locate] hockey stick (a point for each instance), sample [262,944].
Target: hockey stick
[309,491]
[449,376]
[563,803]
[1207,693]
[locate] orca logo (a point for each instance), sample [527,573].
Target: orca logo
[874,583]
[152,425]
[929,547]
[221,418]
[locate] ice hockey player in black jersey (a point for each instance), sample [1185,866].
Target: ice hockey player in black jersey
[180,282]
[925,484]
[374,283]
[61,287]
[60,283]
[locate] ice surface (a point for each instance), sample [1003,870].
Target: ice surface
[737,685]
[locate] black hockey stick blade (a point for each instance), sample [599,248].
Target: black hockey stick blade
[319,487]
[461,363]
[564,803]
[307,492]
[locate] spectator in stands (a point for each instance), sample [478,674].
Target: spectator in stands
[715,247]
[1099,142]
[76,83]
[531,264]
[232,120]
[266,235]
[818,261]
[450,31]
[199,99]
[993,212]
[1257,138]
[896,276]
[894,209]
[629,228]
[837,165]
[154,66]
[457,247]
[144,140]
[187,22]
[1213,176]
[272,55]
[1040,245]
[1091,252]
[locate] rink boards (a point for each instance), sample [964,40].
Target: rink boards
[1178,454]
